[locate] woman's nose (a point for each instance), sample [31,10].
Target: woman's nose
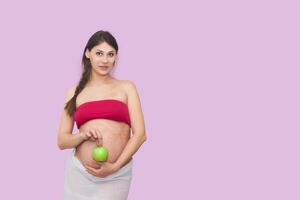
[104,59]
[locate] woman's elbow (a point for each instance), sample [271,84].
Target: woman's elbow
[60,143]
[60,146]
[139,135]
[144,137]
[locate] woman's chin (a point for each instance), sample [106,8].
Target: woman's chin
[103,73]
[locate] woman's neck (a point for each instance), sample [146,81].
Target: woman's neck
[100,80]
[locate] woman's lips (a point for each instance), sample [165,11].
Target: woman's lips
[104,67]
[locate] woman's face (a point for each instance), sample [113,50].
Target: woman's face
[102,58]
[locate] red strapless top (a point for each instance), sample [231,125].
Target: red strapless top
[107,109]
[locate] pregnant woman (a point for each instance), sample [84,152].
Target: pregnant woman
[108,113]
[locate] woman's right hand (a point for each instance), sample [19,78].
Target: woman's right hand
[93,135]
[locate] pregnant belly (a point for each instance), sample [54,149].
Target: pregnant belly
[115,136]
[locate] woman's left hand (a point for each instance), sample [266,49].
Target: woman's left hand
[105,169]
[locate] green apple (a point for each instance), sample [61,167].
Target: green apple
[100,153]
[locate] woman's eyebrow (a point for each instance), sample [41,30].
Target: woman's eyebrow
[107,52]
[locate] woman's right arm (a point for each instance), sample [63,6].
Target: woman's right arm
[66,139]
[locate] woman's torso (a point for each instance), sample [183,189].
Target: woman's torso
[115,134]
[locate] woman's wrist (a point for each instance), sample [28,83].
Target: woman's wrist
[116,166]
[81,136]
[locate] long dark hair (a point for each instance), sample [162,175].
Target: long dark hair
[96,39]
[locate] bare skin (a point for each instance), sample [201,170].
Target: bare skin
[114,134]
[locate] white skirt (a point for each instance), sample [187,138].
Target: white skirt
[81,185]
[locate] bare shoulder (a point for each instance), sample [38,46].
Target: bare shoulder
[70,93]
[129,86]
[134,108]
[132,93]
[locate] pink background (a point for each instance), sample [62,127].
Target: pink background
[218,81]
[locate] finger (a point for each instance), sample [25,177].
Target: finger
[92,139]
[94,133]
[99,143]
[95,169]
[90,168]
[100,139]
[91,134]
[98,133]
[95,172]
[88,134]
[91,172]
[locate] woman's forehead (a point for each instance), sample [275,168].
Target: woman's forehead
[104,47]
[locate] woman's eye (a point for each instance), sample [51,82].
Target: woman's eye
[98,53]
[111,54]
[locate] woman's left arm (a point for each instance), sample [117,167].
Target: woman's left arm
[137,125]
